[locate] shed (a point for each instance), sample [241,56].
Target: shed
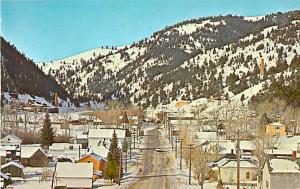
[14,168]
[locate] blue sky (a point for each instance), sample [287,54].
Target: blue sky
[53,29]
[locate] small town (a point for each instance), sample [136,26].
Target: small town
[150,95]
[187,144]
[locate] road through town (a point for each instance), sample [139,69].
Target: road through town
[154,173]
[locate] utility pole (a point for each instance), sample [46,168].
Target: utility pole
[238,159]
[169,129]
[120,167]
[181,140]
[52,182]
[176,140]
[172,138]
[126,160]
[133,138]
[190,146]
[130,149]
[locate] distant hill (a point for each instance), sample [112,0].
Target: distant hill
[205,57]
[20,74]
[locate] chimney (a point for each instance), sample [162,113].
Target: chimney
[294,155]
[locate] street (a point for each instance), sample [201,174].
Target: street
[154,171]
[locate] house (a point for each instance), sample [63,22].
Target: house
[65,150]
[11,140]
[9,153]
[96,137]
[276,129]
[215,166]
[74,175]
[279,173]
[33,156]
[98,160]
[13,168]
[228,171]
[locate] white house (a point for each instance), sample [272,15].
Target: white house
[98,136]
[11,140]
[66,150]
[74,175]
[248,171]
[278,174]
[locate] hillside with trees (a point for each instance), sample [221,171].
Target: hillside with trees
[21,75]
[205,57]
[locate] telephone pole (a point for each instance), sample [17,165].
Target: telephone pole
[126,160]
[181,140]
[176,140]
[190,147]
[133,138]
[172,137]
[238,159]
[130,149]
[120,166]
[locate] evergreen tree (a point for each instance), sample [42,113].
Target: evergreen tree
[242,97]
[112,166]
[47,133]
[154,100]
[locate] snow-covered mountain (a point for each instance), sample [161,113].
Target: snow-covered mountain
[203,57]
[75,60]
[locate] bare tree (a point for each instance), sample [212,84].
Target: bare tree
[262,142]
[200,159]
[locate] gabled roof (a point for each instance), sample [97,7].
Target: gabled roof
[27,151]
[101,151]
[13,163]
[74,170]
[11,138]
[243,164]
[94,155]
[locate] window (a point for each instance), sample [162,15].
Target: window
[267,184]
[247,175]
[89,161]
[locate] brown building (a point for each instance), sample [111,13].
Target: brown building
[15,169]
[33,156]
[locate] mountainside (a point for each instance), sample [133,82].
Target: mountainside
[21,75]
[204,57]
